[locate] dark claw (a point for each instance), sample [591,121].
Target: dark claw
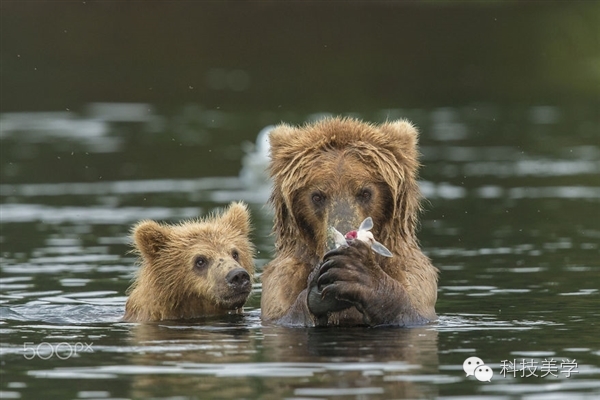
[335,252]
[333,304]
[322,302]
[325,279]
[326,266]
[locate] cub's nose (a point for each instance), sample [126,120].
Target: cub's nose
[238,278]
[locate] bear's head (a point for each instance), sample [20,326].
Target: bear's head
[195,268]
[338,171]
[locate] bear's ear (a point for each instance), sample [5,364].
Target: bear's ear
[404,137]
[150,238]
[238,217]
[280,139]
[402,141]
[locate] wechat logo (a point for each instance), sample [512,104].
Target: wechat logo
[475,366]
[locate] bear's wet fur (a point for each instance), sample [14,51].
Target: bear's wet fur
[336,172]
[192,269]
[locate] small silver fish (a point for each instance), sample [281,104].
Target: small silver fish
[335,239]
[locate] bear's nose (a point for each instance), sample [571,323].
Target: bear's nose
[238,277]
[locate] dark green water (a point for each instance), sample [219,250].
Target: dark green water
[116,112]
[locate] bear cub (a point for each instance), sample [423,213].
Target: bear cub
[193,269]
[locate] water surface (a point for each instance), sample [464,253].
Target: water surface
[513,227]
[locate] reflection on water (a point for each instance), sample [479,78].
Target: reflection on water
[511,221]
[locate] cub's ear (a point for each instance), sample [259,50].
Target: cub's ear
[238,217]
[279,141]
[404,136]
[150,238]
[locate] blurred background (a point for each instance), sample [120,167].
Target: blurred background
[205,76]
[297,56]
[112,112]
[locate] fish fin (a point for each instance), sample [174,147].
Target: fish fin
[366,225]
[380,249]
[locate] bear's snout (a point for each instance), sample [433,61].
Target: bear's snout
[238,278]
[343,214]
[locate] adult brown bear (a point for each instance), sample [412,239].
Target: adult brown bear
[337,172]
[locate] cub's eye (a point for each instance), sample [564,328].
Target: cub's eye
[318,198]
[235,255]
[365,195]
[200,262]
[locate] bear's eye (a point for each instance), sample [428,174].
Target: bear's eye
[365,195]
[318,198]
[200,262]
[235,255]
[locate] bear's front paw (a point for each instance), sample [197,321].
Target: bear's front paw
[350,274]
[319,303]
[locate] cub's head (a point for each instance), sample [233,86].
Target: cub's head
[338,171]
[196,267]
